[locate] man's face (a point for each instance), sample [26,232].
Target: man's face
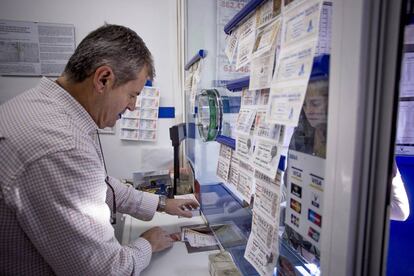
[121,98]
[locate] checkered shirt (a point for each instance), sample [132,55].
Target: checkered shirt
[54,203]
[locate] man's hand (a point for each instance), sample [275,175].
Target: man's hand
[158,238]
[181,207]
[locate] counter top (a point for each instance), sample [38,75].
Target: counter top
[175,260]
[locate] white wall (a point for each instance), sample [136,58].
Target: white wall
[154,21]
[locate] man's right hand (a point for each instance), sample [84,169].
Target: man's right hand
[158,238]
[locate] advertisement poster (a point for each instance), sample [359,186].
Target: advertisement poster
[305,186]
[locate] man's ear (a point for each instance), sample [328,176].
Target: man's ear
[103,77]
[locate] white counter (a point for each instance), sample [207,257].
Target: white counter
[175,260]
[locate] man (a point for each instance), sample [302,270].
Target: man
[54,200]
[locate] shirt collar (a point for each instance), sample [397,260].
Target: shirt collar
[73,107]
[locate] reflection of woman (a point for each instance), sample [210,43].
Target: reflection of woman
[309,137]
[310,134]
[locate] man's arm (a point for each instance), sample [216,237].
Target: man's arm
[62,209]
[140,205]
[143,205]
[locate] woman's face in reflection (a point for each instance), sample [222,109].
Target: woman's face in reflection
[316,107]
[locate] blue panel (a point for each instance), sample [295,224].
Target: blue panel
[241,15]
[320,67]
[231,104]
[230,142]
[166,112]
[400,251]
[148,83]
[234,104]
[191,130]
[282,162]
[201,54]
[238,84]
[409,20]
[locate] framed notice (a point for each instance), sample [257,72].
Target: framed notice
[34,48]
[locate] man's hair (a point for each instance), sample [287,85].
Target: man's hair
[116,46]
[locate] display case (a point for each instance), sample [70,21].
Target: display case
[272,155]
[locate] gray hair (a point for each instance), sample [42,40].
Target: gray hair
[116,46]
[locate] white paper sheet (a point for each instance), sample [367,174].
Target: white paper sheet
[295,62]
[245,120]
[301,21]
[407,76]
[261,70]
[244,147]
[244,51]
[223,163]
[246,180]
[266,130]
[323,47]
[142,123]
[226,70]
[268,11]
[129,134]
[266,156]
[265,231]
[188,81]
[285,104]
[262,260]
[267,196]
[249,97]
[232,41]
[264,96]
[197,239]
[196,75]
[192,81]
[262,248]
[234,171]
[405,128]
[149,91]
[129,123]
[132,114]
[248,28]
[34,49]
[266,37]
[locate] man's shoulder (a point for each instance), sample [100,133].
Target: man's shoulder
[34,125]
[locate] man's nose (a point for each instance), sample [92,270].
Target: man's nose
[131,105]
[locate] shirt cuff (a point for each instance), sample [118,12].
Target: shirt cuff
[144,252]
[148,206]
